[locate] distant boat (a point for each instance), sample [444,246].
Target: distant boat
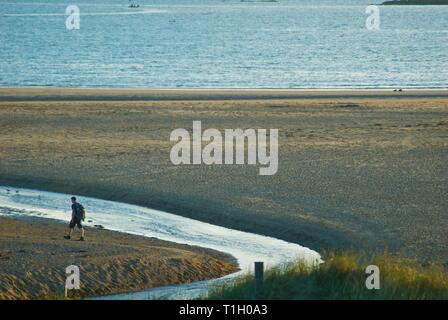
[133,5]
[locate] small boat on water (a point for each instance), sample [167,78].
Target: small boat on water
[133,5]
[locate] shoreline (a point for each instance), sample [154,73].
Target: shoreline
[41,94]
[415,88]
[325,238]
[33,256]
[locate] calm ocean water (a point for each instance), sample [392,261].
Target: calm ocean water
[210,43]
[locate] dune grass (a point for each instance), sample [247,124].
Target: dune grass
[342,276]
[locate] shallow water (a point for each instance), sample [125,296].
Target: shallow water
[245,247]
[213,43]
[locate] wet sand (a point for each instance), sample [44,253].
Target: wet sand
[357,169]
[34,256]
[104,94]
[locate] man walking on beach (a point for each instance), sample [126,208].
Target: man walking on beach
[77,218]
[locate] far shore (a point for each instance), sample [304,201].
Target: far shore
[34,256]
[415,3]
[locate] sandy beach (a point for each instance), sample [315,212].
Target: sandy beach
[357,169]
[34,255]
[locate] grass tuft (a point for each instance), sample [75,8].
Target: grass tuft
[341,276]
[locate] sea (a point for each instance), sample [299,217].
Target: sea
[222,44]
